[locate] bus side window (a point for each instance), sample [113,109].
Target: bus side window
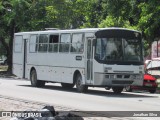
[18,43]
[43,43]
[65,42]
[77,43]
[53,43]
[33,43]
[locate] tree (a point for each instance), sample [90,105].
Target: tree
[66,14]
[149,19]
[93,13]
[12,20]
[121,13]
[27,15]
[142,15]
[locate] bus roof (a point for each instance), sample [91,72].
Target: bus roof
[73,30]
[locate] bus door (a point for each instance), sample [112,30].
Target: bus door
[24,58]
[89,61]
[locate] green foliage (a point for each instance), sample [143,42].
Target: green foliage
[141,15]
[149,20]
[111,21]
[2,50]
[93,13]
[28,15]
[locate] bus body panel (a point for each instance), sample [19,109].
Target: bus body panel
[56,69]
[18,56]
[60,66]
[106,74]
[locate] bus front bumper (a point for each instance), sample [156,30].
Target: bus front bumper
[118,79]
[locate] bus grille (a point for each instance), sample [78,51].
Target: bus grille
[118,76]
[121,82]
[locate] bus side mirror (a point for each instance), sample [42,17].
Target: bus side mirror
[94,42]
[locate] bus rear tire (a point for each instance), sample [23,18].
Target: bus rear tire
[34,81]
[117,90]
[67,85]
[79,85]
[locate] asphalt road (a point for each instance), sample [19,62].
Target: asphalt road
[96,99]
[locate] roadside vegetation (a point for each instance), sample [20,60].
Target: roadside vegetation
[3,68]
[4,73]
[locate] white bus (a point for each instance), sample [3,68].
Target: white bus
[92,57]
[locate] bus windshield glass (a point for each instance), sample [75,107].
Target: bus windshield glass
[118,50]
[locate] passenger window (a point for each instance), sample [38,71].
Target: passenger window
[77,43]
[65,43]
[18,43]
[43,43]
[53,43]
[33,43]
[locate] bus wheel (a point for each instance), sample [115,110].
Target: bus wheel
[34,81]
[80,87]
[67,85]
[117,89]
[128,89]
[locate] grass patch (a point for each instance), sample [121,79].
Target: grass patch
[3,68]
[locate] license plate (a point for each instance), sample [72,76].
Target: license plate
[148,85]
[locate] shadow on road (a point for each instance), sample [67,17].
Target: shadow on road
[105,93]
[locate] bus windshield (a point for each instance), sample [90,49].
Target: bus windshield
[113,50]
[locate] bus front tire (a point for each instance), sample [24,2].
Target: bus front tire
[34,81]
[128,89]
[67,85]
[117,90]
[79,85]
